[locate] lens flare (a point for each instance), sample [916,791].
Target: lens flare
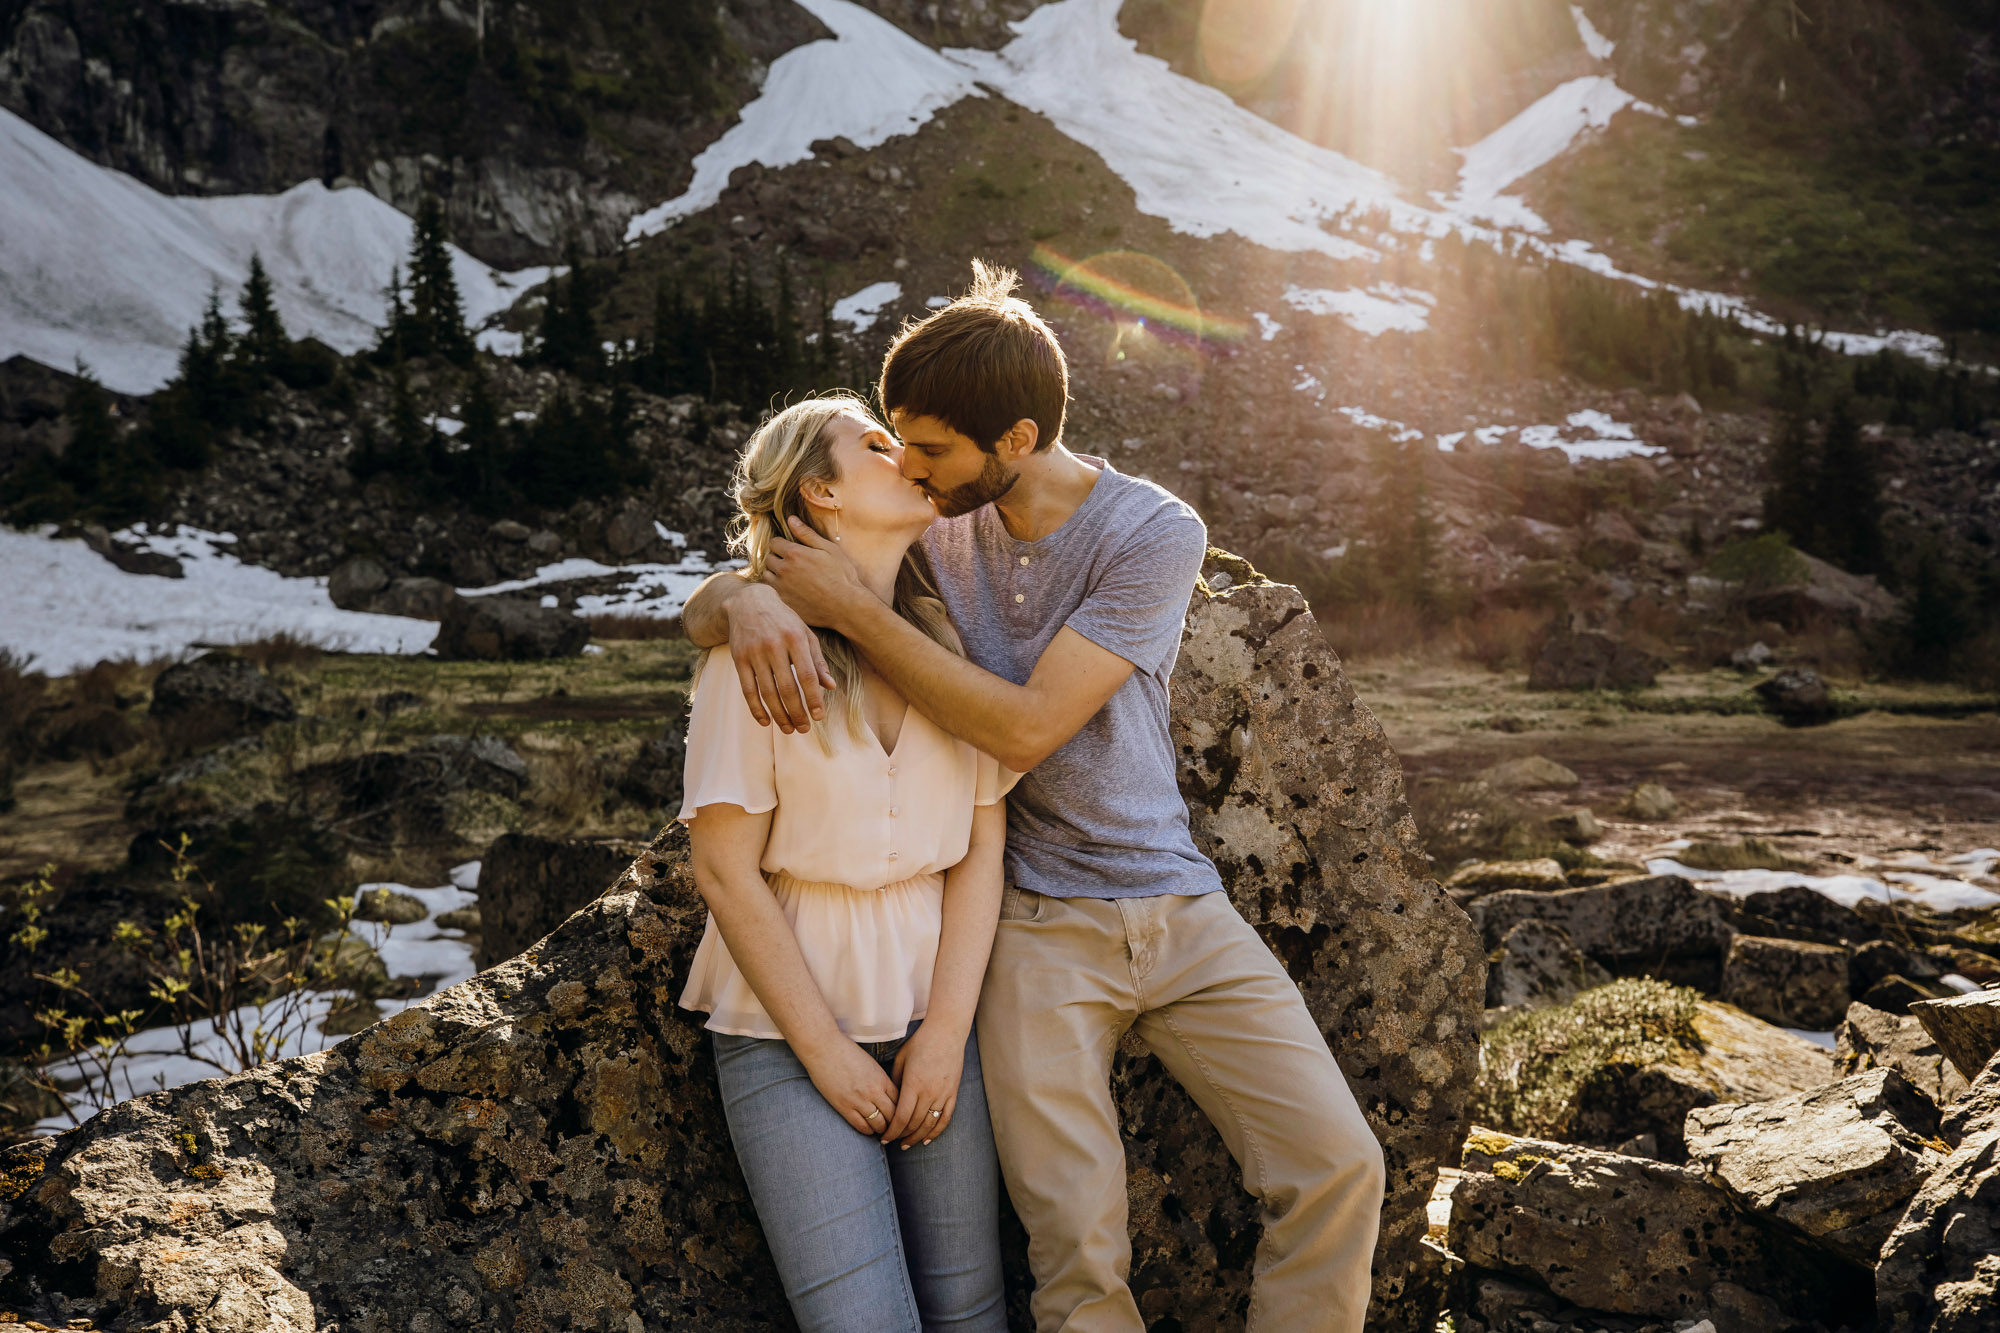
[1143,298]
[1240,40]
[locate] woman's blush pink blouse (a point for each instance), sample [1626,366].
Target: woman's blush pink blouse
[858,845]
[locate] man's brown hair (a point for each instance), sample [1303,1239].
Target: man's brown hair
[980,364]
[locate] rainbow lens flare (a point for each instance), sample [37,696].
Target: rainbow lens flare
[1143,298]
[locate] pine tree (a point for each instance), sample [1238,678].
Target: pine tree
[437,317]
[104,465]
[1847,496]
[397,331]
[483,460]
[568,337]
[264,347]
[1792,472]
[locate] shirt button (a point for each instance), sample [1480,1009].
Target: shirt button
[1024,559]
[892,770]
[892,856]
[892,812]
[1020,597]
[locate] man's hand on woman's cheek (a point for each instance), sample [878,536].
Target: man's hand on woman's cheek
[814,576]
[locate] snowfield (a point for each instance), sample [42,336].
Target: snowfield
[96,266]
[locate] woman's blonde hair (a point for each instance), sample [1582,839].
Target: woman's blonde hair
[792,447]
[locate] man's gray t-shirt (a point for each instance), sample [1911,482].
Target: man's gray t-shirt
[1102,817]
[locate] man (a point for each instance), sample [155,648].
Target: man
[1069,583]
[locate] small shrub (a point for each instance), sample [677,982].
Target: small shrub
[1761,562]
[1502,638]
[1532,1067]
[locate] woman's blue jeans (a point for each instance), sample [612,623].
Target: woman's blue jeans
[868,1238]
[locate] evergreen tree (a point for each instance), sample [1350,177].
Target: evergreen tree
[1935,622]
[568,339]
[482,462]
[437,318]
[1792,472]
[104,466]
[1847,496]
[397,331]
[264,348]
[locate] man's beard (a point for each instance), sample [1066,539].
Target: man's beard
[992,482]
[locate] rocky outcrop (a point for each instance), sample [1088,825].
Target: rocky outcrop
[1630,1236]
[530,129]
[529,885]
[542,1145]
[507,629]
[1646,920]
[1965,1027]
[1798,697]
[221,687]
[1870,1038]
[1792,983]
[1940,1269]
[1537,965]
[1482,877]
[1838,1163]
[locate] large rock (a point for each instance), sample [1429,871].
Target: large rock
[1798,697]
[508,629]
[1536,965]
[1795,912]
[542,1146]
[355,581]
[222,687]
[1650,801]
[1590,660]
[1649,920]
[419,599]
[1792,983]
[1965,1027]
[529,885]
[1870,1038]
[1629,1235]
[391,798]
[1940,1269]
[1528,773]
[1541,875]
[1838,1163]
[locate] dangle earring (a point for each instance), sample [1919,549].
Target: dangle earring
[833,521]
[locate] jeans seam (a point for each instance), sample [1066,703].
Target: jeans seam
[1250,1140]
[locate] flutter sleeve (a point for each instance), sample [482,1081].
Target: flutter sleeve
[730,759]
[994,780]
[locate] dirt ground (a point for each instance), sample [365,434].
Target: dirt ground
[1871,785]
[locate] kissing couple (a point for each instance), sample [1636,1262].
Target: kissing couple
[932,800]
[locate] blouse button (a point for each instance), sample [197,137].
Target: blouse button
[892,856]
[892,812]
[892,770]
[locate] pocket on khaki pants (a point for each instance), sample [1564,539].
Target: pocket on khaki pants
[1019,904]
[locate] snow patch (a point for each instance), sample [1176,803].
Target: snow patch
[1267,327]
[864,307]
[1382,309]
[1595,42]
[870,83]
[654,591]
[1937,894]
[69,608]
[97,266]
[1532,139]
[1192,156]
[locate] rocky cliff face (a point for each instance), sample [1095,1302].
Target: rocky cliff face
[542,1146]
[531,120]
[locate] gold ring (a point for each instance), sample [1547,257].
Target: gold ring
[871,1115]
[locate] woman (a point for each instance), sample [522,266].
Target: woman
[853,879]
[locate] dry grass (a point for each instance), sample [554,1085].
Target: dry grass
[568,784]
[1746,854]
[280,651]
[1501,638]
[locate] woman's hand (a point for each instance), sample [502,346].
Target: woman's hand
[927,1069]
[854,1085]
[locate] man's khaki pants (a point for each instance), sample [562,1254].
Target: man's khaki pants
[1069,976]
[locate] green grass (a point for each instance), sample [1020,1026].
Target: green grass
[1855,232]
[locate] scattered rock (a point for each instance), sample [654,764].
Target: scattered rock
[1896,993]
[1838,1163]
[1537,966]
[629,533]
[1870,1038]
[1481,877]
[1797,697]
[1650,801]
[508,629]
[355,580]
[1965,1027]
[1796,912]
[222,686]
[1821,595]
[460,918]
[1940,1268]
[1646,920]
[529,885]
[653,779]
[1878,960]
[1527,774]
[388,906]
[1748,1060]
[1754,658]
[1590,660]
[545,543]
[1653,1100]
[1629,1236]
[1788,982]
[1578,827]
[419,599]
